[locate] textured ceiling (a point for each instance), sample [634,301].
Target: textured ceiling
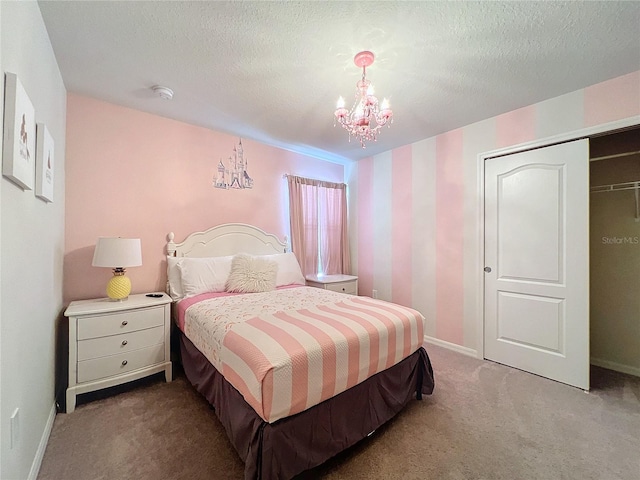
[272,71]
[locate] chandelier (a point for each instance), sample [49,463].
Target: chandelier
[367,116]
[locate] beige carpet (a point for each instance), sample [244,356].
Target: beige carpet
[484,421]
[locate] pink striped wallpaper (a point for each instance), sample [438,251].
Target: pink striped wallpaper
[401,229]
[365,226]
[608,101]
[449,239]
[454,318]
[518,126]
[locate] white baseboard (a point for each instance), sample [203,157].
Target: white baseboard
[618,367]
[37,461]
[451,346]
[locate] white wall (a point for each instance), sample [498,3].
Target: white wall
[1,144]
[31,253]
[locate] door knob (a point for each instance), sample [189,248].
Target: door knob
[487,269]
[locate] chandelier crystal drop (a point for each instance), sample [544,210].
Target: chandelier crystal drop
[367,116]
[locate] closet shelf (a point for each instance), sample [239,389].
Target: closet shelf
[616,187]
[617,155]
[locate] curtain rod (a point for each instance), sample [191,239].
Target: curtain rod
[315,181]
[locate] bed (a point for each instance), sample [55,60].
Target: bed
[295,374]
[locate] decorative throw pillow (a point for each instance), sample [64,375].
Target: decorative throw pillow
[252,274]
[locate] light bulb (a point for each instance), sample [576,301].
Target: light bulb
[385,104]
[340,103]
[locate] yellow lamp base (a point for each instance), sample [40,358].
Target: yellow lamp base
[119,287]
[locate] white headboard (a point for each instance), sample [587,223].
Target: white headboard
[227,239]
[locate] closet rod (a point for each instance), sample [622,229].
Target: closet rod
[617,155]
[614,187]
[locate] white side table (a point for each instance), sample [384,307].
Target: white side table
[337,283]
[116,342]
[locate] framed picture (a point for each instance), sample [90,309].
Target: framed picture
[44,163]
[18,155]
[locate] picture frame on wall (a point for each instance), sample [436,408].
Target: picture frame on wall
[44,163]
[19,141]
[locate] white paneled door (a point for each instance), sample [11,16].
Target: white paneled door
[537,262]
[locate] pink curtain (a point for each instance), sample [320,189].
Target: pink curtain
[303,212]
[319,236]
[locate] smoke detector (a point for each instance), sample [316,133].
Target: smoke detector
[163,92]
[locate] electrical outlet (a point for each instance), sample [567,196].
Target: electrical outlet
[375,294]
[15,428]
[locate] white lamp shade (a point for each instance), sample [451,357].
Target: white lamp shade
[117,252]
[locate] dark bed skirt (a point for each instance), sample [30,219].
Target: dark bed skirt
[294,444]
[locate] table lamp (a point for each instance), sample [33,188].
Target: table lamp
[118,253]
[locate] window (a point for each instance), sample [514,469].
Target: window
[318,212]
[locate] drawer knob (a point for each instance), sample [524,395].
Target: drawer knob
[124,342]
[343,289]
[124,362]
[124,322]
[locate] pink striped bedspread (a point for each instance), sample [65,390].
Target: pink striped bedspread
[288,350]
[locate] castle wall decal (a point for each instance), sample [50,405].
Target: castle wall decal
[235,174]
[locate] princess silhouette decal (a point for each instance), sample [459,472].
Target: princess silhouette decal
[24,149]
[48,172]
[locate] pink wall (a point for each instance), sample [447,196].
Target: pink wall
[457,202]
[609,101]
[517,126]
[401,205]
[365,226]
[134,174]
[449,239]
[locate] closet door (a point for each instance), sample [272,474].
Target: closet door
[537,262]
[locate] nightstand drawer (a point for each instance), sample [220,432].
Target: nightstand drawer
[345,287]
[116,323]
[115,344]
[117,364]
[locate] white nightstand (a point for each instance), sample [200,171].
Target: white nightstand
[337,283]
[115,342]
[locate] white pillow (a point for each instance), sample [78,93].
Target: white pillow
[289,272]
[252,274]
[174,278]
[203,275]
